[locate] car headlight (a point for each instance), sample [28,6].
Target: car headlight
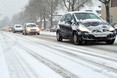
[111,29]
[38,29]
[83,28]
[28,29]
[10,29]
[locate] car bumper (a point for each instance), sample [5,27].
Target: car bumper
[18,30]
[93,37]
[33,31]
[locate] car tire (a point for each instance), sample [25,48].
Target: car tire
[25,33]
[110,41]
[13,31]
[38,33]
[59,37]
[76,39]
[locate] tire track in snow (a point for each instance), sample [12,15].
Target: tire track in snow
[85,59]
[95,63]
[68,54]
[17,63]
[15,67]
[58,69]
[70,43]
[98,64]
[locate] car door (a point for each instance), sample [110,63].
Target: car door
[68,23]
[62,25]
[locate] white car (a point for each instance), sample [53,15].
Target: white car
[31,28]
[17,28]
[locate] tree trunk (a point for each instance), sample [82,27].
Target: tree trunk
[51,16]
[73,4]
[107,13]
[44,23]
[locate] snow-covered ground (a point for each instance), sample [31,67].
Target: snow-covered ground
[29,57]
[48,33]
[4,73]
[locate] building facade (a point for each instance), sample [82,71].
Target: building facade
[113,11]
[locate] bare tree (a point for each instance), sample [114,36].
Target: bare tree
[43,9]
[106,2]
[73,5]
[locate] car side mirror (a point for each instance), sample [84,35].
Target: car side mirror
[69,21]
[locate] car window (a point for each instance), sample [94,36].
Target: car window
[68,18]
[17,26]
[31,25]
[63,18]
[83,16]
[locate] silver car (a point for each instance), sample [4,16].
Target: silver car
[31,28]
[17,28]
[84,27]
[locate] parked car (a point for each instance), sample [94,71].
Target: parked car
[83,27]
[31,28]
[17,28]
[115,26]
[53,29]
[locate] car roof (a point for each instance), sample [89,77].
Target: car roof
[17,25]
[72,12]
[30,23]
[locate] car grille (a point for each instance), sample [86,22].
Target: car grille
[103,30]
[33,30]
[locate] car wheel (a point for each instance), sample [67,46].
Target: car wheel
[76,39]
[38,33]
[13,31]
[59,37]
[25,33]
[110,41]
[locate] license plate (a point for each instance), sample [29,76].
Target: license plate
[33,30]
[100,35]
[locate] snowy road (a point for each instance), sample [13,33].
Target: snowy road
[43,57]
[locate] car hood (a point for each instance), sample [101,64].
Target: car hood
[33,27]
[96,25]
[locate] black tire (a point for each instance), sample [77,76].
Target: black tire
[25,33]
[58,36]
[76,39]
[13,31]
[38,33]
[110,41]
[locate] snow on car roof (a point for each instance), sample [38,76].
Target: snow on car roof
[30,23]
[17,25]
[72,12]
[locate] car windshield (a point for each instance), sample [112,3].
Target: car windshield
[18,26]
[83,16]
[31,25]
